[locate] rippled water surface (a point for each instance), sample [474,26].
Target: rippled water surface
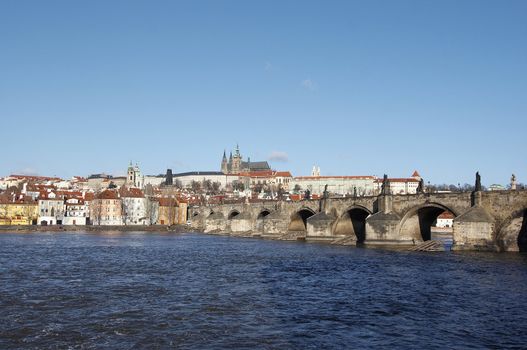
[76,290]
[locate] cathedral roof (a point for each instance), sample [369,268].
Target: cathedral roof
[256,165]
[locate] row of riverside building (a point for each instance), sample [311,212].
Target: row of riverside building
[37,201]
[137,199]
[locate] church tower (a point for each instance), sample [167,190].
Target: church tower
[224,164]
[134,177]
[130,176]
[236,161]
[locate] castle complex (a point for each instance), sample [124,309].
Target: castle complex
[236,165]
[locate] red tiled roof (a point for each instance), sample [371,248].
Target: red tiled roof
[446,215]
[35,178]
[131,192]
[283,174]
[45,195]
[398,179]
[333,177]
[108,194]
[168,202]
[416,174]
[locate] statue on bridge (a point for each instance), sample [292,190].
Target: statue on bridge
[323,201]
[477,187]
[384,185]
[307,194]
[420,187]
[513,182]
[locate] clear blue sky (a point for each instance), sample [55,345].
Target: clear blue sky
[356,87]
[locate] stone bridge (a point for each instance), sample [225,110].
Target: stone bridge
[491,221]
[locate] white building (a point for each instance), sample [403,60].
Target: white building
[136,208]
[186,179]
[50,209]
[75,212]
[399,186]
[154,180]
[445,219]
[339,185]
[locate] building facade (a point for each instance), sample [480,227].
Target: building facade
[105,208]
[51,209]
[336,185]
[23,211]
[76,212]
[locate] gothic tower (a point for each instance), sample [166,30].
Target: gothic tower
[224,164]
[236,161]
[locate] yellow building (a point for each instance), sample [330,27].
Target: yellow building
[172,211]
[106,209]
[182,212]
[168,211]
[21,212]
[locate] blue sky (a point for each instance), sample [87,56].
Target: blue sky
[356,87]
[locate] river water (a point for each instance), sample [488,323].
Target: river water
[144,290]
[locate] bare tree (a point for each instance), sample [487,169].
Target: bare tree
[4,210]
[29,212]
[125,210]
[171,211]
[96,211]
[207,185]
[195,186]
[238,186]
[216,187]
[151,210]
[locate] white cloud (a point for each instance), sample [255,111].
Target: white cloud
[309,84]
[27,171]
[278,156]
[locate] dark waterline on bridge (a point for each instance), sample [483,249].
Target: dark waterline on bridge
[127,290]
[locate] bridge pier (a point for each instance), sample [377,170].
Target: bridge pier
[242,223]
[474,229]
[320,227]
[273,224]
[215,223]
[382,228]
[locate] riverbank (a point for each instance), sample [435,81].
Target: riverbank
[90,228]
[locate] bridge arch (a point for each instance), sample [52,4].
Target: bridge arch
[299,218]
[512,237]
[263,213]
[417,221]
[233,213]
[352,222]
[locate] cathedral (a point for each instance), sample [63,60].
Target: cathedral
[236,165]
